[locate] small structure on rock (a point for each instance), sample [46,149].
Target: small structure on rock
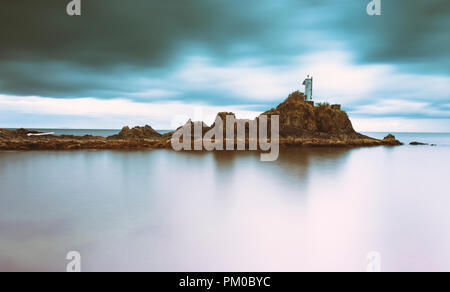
[336,106]
[308,83]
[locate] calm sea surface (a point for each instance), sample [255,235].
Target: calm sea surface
[312,210]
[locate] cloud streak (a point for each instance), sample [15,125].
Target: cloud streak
[162,115]
[402,108]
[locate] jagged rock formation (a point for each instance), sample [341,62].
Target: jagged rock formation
[301,119]
[391,140]
[205,128]
[145,132]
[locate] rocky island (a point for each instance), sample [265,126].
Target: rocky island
[301,124]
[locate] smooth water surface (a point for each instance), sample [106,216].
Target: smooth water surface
[312,210]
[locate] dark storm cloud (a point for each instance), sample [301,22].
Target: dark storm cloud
[139,32]
[115,33]
[414,34]
[115,37]
[45,52]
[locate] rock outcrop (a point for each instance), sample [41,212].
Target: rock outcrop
[19,133]
[301,119]
[391,140]
[205,128]
[145,132]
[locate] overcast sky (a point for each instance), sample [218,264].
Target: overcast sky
[160,62]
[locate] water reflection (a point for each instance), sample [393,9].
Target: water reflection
[313,209]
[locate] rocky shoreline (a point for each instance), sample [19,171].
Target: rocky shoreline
[301,125]
[58,143]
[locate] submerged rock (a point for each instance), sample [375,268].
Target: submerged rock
[418,144]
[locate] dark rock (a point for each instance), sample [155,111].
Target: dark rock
[193,125]
[390,140]
[19,133]
[299,118]
[418,144]
[145,132]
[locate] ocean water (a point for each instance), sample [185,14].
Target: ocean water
[441,139]
[314,209]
